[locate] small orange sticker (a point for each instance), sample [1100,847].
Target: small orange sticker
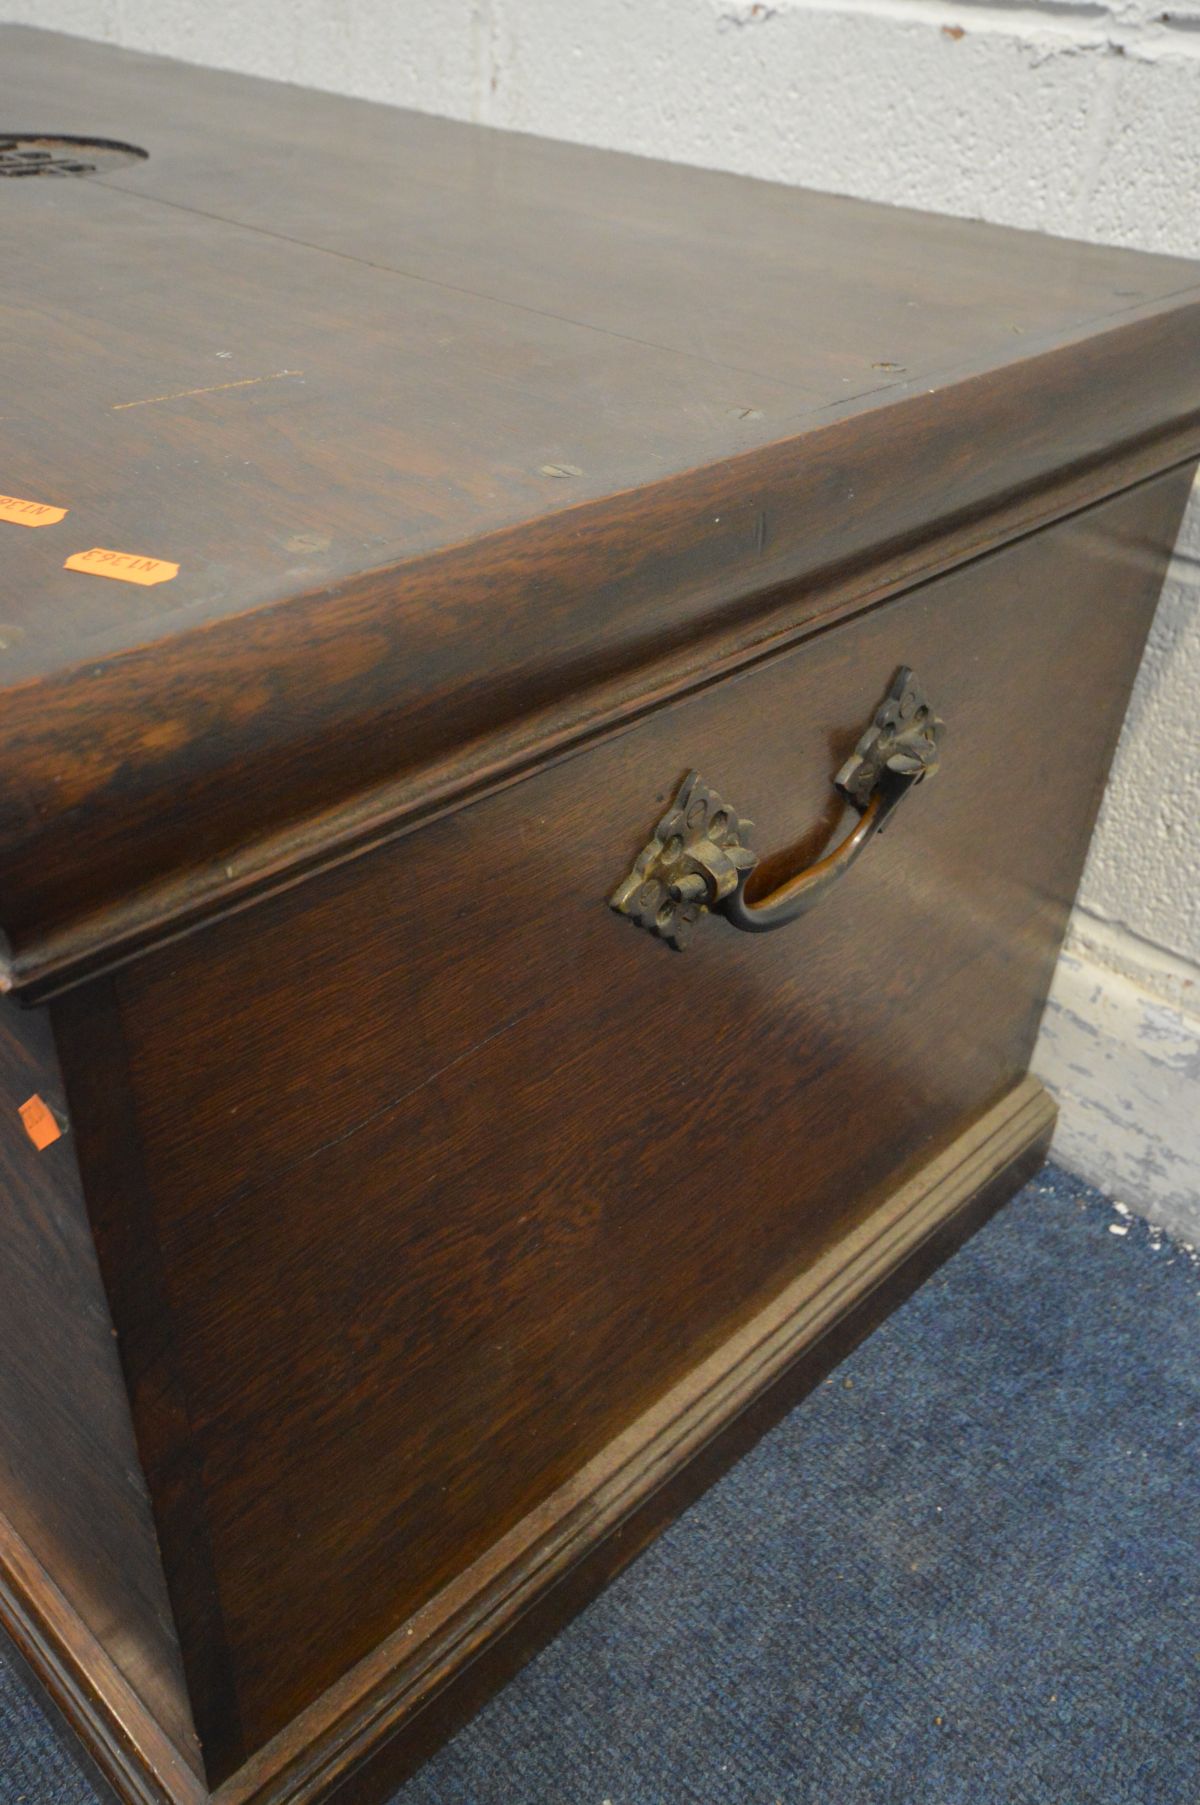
[126,567]
[39,1122]
[29,513]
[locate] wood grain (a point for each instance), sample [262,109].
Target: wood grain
[80,1574]
[453,1229]
[368,1732]
[448,1171]
[950,1200]
[384,332]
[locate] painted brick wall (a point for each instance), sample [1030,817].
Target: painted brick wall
[1078,117]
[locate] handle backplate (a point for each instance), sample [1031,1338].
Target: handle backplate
[697,860]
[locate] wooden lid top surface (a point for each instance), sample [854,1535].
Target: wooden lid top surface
[442,425]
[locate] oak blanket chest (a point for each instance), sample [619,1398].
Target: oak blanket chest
[469,607]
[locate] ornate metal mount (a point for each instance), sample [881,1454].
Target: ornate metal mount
[695,858]
[698,861]
[903,738]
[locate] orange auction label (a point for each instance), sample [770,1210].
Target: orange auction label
[126,567]
[29,513]
[39,1121]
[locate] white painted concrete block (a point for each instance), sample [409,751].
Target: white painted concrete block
[1143,873]
[1125,1067]
[1189,536]
[1145,190]
[881,103]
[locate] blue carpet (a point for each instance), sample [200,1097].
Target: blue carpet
[965,1572]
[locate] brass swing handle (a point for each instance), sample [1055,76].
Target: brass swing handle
[698,860]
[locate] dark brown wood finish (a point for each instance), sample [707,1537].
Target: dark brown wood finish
[366,1733]
[478,304]
[386,601]
[80,1578]
[392,1198]
[452,1228]
[960,1191]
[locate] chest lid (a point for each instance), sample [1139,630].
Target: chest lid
[432,450]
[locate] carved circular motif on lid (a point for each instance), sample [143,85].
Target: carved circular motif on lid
[35,153]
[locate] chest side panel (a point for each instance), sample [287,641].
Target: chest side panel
[79,1564]
[452,1171]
